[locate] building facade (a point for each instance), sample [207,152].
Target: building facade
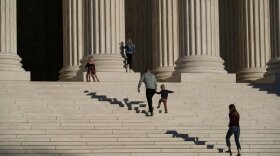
[171,36]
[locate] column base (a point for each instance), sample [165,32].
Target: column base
[163,73]
[203,78]
[10,62]
[108,63]
[111,77]
[11,68]
[200,64]
[68,73]
[270,79]
[14,76]
[249,75]
[273,72]
[273,67]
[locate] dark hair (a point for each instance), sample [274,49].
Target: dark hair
[232,107]
[147,69]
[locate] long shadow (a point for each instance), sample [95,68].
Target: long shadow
[115,101]
[269,88]
[195,140]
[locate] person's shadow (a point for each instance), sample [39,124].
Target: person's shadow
[122,50]
[115,101]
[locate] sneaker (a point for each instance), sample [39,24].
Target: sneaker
[152,114]
[166,112]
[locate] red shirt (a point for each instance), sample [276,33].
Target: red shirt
[234,119]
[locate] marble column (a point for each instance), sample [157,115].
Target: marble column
[199,37]
[254,39]
[274,63]
[72,38]
[10,66]
[104,31]
[165,37]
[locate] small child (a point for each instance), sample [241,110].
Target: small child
[164,96]
[90,68]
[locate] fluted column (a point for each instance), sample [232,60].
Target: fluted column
[199,37]
[274,62]
[10,66]
[165,37]
[72,38]
[104,31]
[254,37]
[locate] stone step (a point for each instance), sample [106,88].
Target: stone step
[89,151]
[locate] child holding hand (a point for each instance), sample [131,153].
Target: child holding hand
[164,96]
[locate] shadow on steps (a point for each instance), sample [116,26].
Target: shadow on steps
[196,140]
[270,88]
[118,102]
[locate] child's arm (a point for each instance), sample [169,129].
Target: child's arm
[169,91]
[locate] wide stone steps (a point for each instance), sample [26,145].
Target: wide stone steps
[58,118]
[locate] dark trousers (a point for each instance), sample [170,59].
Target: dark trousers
[149,95]
[236,131]
[129,60]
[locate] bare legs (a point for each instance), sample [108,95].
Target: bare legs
[88,77]
[164,103]
[94,76]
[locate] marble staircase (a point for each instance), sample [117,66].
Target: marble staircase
[109,119]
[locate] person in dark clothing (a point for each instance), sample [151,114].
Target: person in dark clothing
[130,50]
[233,128]
[90,68]
[151,86]
[164,96]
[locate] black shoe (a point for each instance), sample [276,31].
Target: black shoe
[158,107]
[152,114]
[238,154]
[228,151]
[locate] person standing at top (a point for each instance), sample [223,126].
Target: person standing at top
[151,86]
[130,50]
[90,68]
[233,128]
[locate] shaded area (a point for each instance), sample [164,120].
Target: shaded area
[186,137]
[269,88]
[39,38]
[229,39]
[114,101]
[195,140]
[138,27]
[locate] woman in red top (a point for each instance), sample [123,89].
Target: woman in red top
[233,128]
